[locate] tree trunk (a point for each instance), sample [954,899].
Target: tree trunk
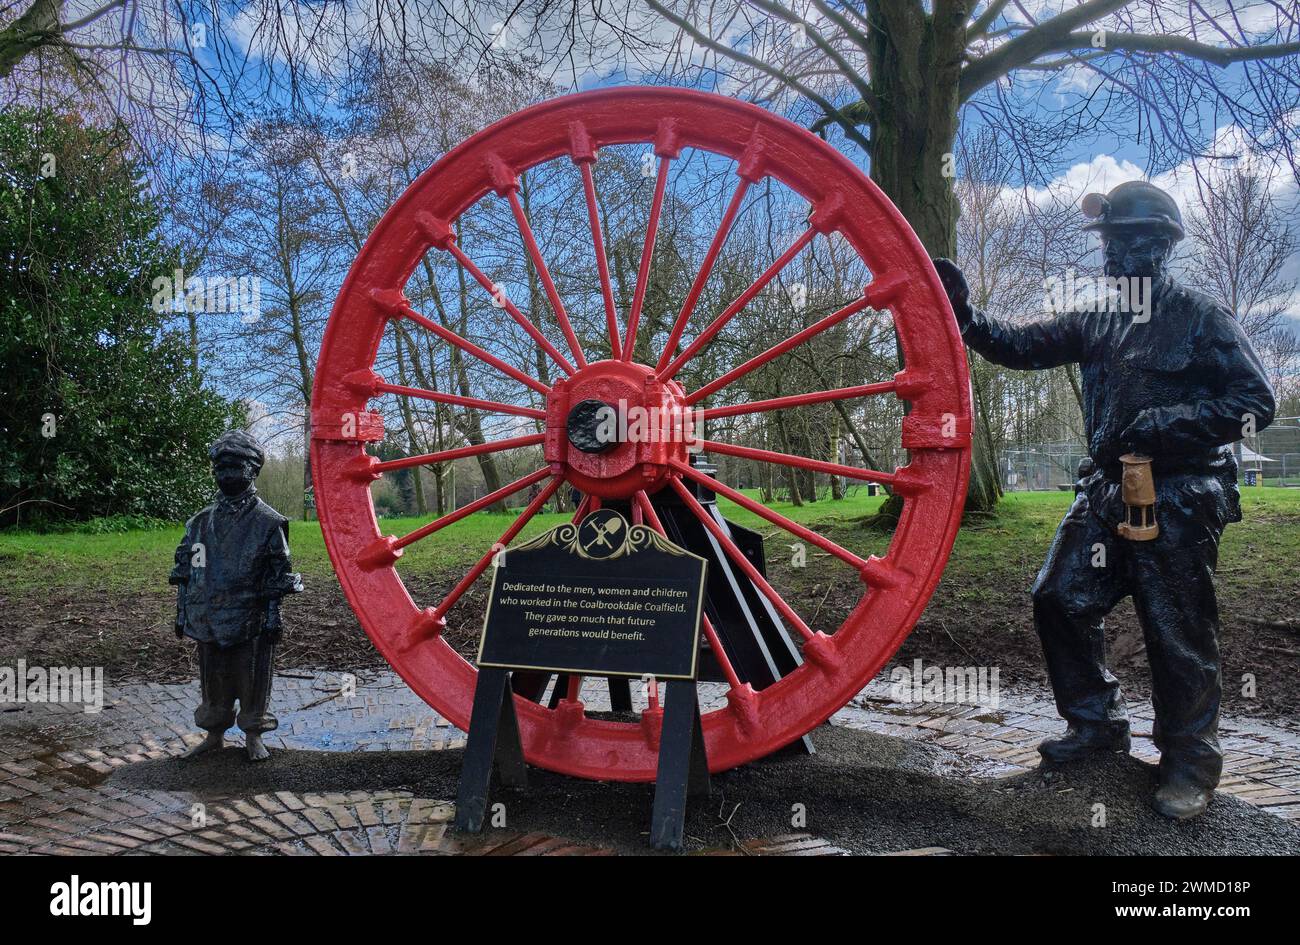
[470,424]
[915,72]
[37,27]
[837,484]
[408,419]
[791,473]
[305,375]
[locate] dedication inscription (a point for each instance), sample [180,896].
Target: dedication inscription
[601,598]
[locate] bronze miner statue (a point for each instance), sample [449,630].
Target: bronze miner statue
[1167,386]
[231,570]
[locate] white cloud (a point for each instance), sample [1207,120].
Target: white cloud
[1230,145]
[1100,174]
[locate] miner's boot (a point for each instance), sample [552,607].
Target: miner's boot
[1181,799]
[1185,788]
[1082,741]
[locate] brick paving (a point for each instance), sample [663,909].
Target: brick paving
[55,798]
[1261,760]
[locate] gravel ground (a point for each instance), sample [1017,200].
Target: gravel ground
[868,793]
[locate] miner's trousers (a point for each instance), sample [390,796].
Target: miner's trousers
[239,673]
[1089,570]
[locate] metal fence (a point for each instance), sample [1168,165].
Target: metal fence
[1040,467]
[1272,457]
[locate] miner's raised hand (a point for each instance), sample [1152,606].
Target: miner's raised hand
[954,284]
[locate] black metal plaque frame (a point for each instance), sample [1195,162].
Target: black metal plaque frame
[494,745]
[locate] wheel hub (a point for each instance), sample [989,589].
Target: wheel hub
[593,426]
[615,427]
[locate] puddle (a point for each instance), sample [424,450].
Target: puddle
[80,775]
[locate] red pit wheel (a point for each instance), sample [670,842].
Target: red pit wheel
[936,430]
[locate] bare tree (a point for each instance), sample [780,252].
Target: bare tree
[1279,349]
[895,78]
[279,236]
[1010,246]
[1243,243]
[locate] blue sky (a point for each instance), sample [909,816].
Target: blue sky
[1093,162]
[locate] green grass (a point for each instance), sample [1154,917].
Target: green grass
[103,598]
[138,561]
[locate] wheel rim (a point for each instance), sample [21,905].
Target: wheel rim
[936,431]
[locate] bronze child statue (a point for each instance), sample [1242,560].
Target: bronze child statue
[1174,384]
[231,570]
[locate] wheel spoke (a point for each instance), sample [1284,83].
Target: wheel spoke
[797,400]
[490,406]
[745,298]
[557,306]
[574,688]
[507,537]
[647,254]
[692,297]
[777,350]
[776,518]
[878,294]
[602,263]
[800,462]
[647,509]
[500,297]
[477,449]
[738,556]
[397,304]
[466,510]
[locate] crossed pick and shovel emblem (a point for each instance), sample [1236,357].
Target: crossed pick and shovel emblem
[602,533]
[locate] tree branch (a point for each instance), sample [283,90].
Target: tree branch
[91,17]
[846,123]
[985,20]
[820,41]
[839,19]
[1221,56]
[1029,45]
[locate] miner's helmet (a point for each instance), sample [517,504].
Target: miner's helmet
[1134,204]
[238,444]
